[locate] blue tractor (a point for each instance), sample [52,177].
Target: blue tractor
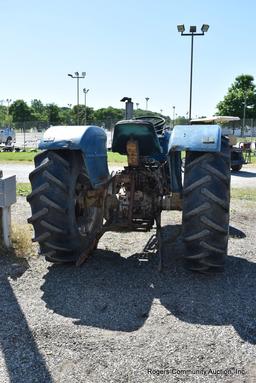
[75,200]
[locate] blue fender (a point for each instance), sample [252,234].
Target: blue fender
[90,140]
[198,138]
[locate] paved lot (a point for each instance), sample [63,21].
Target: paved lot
[246,178]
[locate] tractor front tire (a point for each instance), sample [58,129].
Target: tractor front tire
[236,168]
[206,199]
[64,227]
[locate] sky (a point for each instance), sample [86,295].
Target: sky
[127,48]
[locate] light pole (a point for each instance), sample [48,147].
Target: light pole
[173,115]
[77,76]
[85,93]
[244,112]
[192,30]
[8,100]
[146,98]
[137,105]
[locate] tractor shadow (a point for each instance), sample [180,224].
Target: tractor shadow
[23,359]
[243,174]
[116,293]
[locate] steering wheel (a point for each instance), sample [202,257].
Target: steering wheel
[157,121]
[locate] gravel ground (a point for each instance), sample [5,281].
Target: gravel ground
[117,319]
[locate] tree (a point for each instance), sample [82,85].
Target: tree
[38,111]
[52,111]
[20,111]
[66,116]
[5,117]
[37,106]
[181,120]
[240,95]
[79,110]
[109,116]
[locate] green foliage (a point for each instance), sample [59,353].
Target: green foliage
[78,114]
[114,158]
[38,111]
[109,116]
[241,91]
[37,106]
[53,115]
[5,117]
[20,111]
[17,156]
[117,159]
[181,120]
[2,113]
[40,116]
[23,188]
[66,116]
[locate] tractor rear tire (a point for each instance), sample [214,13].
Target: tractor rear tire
[63,227]
[206,199]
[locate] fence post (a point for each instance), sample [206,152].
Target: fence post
[7,198]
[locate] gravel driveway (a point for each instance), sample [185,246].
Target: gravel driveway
[117,319]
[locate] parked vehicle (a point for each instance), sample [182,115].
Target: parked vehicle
[237,157]
[75,200]
[7,136]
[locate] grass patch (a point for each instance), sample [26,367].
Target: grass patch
[248,194]
[253,160]
[17,156]
[21,243]
[23,188]
[113,158]
[21,236]
[116,158]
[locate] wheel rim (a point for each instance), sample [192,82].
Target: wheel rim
[85,215]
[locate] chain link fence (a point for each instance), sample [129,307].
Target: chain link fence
[241,128]
[29,133]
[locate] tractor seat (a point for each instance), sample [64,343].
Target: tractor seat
[141,131]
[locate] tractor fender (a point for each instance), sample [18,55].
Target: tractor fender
[196,138]
[90,140]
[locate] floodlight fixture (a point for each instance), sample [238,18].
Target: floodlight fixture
[205,28]
[83,74]
[192,29]
[181,28]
